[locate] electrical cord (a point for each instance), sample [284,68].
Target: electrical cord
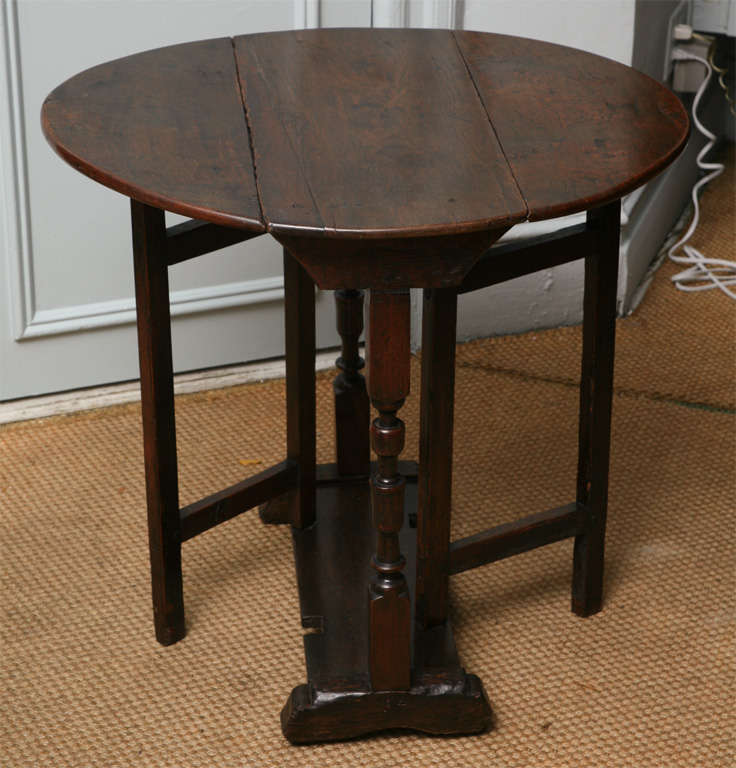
[703,273]
[720,70]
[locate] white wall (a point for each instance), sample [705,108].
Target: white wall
[66,280]
[605,27]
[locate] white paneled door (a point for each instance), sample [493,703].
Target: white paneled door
[67,317]
[67,314]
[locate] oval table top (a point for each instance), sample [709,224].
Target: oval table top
[367,133]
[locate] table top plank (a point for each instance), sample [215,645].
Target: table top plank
[367,133]
[578,130]
[371,133]
[165,127]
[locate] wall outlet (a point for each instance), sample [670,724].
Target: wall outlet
[687,76]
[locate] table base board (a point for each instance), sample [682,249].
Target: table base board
[310,716]
[332,560]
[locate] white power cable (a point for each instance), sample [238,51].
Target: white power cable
[703,272]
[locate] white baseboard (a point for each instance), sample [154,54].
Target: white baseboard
[129,392]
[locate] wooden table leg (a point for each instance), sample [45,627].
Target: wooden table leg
[159,431]
[596,389]
[388,355]
[439,320]
[352,409]
[298,507]
[367,670]
[301,424]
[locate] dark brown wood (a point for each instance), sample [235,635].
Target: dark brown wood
[329,474]
[352,408]
[440,710]
[301,426]
[439,320]
[333,566]
[159,430]
[321,100]
[347,143]
[596,393]
[418,262]
[212,510]
[388,353]
[507,261]
[516,537]
[165,127]
[380,159]
[277,510]
[297,507]
[578,130]
[195,238]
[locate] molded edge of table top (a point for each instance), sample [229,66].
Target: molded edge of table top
[83,131]
[130,189]
[503,84]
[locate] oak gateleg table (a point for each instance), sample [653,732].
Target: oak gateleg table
[382,160]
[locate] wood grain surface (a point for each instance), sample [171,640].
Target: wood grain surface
[372,132]
[165,127]
[578,130]
[367,133]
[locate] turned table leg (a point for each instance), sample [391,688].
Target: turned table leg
[371,667]
[159,433]
[352,409]
[596,389]
[388,384]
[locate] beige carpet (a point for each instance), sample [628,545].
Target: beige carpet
[649,682]
[669,327]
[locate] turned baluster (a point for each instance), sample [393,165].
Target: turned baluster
[388,384]
[352,409]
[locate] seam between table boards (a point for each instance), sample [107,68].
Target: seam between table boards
[305,178]
[490,122]
[251,142]
[241,91]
